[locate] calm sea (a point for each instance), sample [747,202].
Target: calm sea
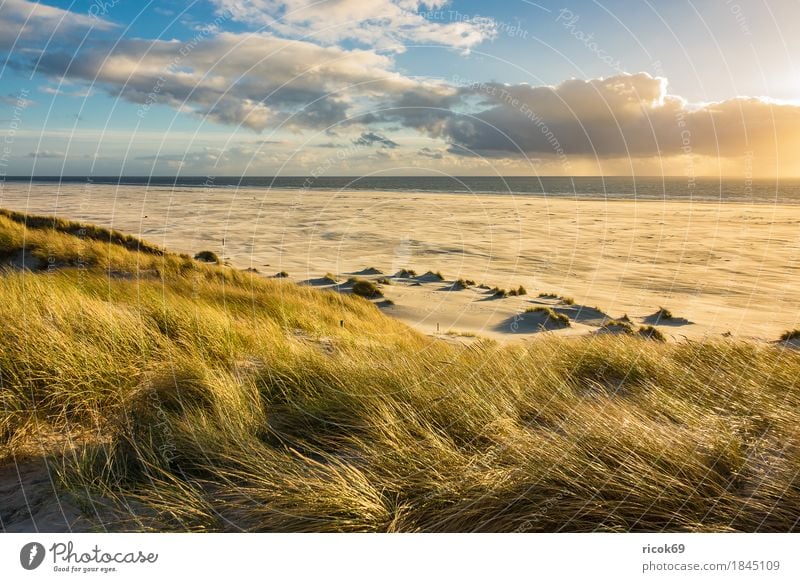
[701,189]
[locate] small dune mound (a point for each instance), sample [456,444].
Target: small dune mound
[582,313]
[364,288]
[431,277]
[369,271]
[405,274]
[498,293]
[324,281]
[550,316]
[535,320]
[664,316]
[281,275]
[651,333]
[616,327]
[458,285]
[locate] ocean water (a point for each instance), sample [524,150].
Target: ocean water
[625,188]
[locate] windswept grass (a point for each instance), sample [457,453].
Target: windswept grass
[194,397]
[87,232]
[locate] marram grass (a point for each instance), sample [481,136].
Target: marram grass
[174,395]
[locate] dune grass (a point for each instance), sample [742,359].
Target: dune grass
[208,257]
[562,299]
[617,326]
[557,318]
[366,288]
[651,333]
[175,395]
[664,313]
[791,335]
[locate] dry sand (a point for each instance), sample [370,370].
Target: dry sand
[720,268]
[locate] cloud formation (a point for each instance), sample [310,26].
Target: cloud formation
[23,22]
[256,80]
[382,25]
[369,138]
[621,116]
[273,79]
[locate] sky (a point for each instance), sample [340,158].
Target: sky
[400,87]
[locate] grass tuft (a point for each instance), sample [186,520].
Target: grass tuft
[557,318]
[364,288]
[664,313]
[651,333]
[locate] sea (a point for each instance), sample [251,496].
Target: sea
[618,187]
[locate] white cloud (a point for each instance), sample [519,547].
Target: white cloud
[48,154]
[383,25]
[23,22]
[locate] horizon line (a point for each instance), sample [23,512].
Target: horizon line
[250,176]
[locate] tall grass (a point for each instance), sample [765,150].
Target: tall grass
[206,399]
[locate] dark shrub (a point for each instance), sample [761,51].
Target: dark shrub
[207,257]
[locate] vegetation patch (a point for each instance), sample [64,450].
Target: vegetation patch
[208,257]
[550,315]
[617,326]
[664,313]
[365,288]
[651,333]
[203,398]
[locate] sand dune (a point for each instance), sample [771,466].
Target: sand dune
[720,268]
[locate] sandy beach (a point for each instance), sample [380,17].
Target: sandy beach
[719,268]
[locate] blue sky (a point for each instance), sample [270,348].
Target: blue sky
[296,87]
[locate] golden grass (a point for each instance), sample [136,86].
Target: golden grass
[195,397]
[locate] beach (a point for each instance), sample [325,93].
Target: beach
[719,268]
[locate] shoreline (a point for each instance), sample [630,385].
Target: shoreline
[482,193]
[724,267]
